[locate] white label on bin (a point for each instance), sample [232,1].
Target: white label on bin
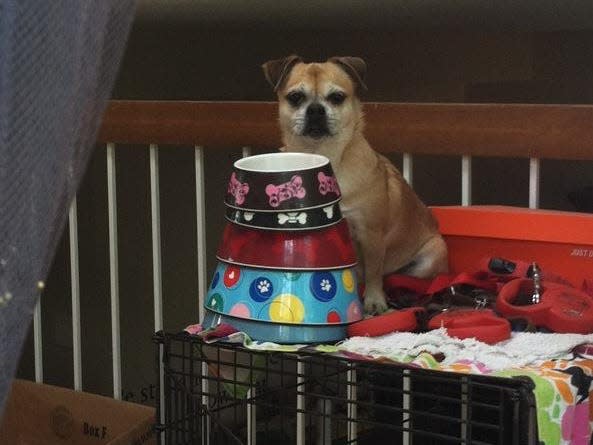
[582,253]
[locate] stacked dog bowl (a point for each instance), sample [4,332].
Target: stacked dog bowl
[286,260]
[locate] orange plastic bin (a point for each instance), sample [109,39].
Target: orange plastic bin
[560,242]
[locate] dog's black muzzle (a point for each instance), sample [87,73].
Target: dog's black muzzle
[316,124]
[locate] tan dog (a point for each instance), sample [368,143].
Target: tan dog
[319,112]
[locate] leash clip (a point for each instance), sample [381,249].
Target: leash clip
[537,287]
[481,302]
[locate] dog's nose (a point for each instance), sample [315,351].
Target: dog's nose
[316,110]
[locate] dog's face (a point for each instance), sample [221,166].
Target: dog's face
[317,101]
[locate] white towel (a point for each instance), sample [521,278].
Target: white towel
[522,349]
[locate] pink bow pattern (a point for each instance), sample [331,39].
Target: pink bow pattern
[291,189]
[327,184]
[238,189]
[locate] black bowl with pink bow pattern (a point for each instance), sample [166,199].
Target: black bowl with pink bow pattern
[280,182]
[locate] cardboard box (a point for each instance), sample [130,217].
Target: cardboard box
[560,242]
[39,414]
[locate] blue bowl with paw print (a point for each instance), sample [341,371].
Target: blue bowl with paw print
[282,306]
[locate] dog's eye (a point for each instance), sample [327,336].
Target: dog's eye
[295,98]
[336,98]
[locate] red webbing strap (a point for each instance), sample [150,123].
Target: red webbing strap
[395,284]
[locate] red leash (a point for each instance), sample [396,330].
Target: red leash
[562,307]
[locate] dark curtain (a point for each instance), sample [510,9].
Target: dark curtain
[58,61]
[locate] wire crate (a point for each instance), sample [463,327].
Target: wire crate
[211,394]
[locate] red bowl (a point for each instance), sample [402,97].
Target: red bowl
[327,248]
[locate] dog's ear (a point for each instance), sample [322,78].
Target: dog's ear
[277,70]
[354,66]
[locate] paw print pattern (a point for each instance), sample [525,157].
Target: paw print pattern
[216,303]
[261,289]
[232,276]
[320,297]
[323,286]
[263,286]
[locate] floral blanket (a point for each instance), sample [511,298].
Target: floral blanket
[563,382]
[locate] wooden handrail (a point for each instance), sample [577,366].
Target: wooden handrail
[506,130]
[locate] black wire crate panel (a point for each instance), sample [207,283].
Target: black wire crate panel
[219,394]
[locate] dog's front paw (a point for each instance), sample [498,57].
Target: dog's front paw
[374,303]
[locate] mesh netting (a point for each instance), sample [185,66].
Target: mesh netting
[58,60]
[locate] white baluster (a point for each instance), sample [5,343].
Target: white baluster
[75,291]
[114,270]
